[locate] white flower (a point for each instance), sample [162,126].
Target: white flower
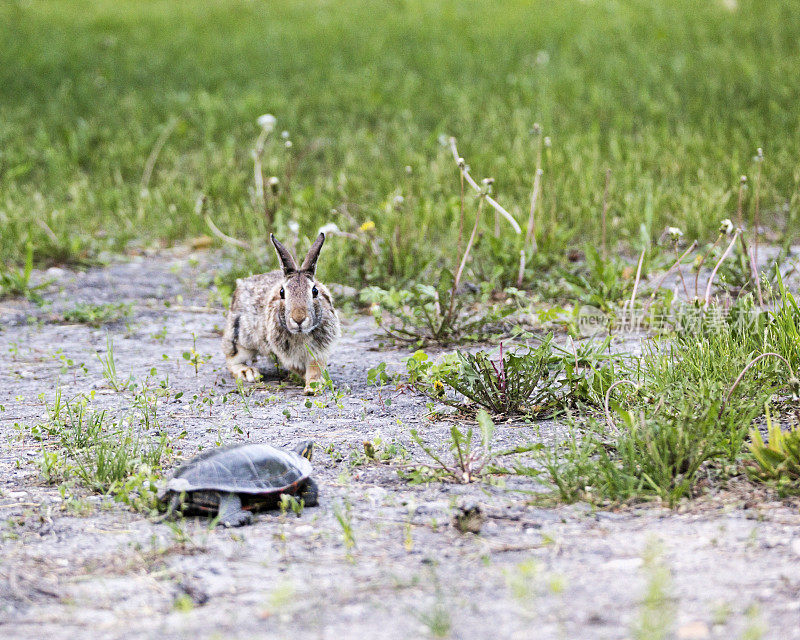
[674,233]
[288,144]
[285,135]
[293,226]
[726,227]
[267,122]
[329,228]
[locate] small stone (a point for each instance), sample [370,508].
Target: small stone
[304,530]
[625,564]
[376,495]
[468,518]
[696,630]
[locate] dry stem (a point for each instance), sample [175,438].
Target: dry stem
[716,268]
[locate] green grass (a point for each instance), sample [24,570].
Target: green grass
[101,451]
[674,97]
[96,315]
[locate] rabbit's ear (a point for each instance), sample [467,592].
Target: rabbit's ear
[310,263]
[287,261]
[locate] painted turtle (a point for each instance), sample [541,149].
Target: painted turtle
[233,481]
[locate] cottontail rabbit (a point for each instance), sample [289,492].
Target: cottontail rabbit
[286,312]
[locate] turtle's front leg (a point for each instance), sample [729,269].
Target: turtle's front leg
[310,494]
[231,513]
[173,505]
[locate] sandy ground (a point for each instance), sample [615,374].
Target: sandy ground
[733,560]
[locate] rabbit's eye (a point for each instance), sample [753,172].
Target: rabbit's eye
[283,293]
[314,291]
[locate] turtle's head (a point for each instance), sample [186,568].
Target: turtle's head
[305,449]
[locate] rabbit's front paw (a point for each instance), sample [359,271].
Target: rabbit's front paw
[251,374]
[314,382]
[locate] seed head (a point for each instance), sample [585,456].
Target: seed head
[329,229]
[674,233]
[267,122]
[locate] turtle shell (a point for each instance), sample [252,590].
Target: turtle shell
[249,469]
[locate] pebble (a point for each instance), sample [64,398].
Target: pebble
[376,494]
[696,630]
[626,564]
[304,530]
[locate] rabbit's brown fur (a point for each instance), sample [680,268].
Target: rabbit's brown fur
[288,313]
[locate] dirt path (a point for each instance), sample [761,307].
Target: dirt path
[88,567]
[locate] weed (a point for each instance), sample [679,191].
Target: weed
[377,450]
[534,381]
[756,628]
[377,377]
[600,283]
[522,581]
[195,358]
[105,454]
[183,603]
[778,459]
[110,367]
[657,608]
[344,516]
[516,383]
[470,463]
[290,503]
[437,618]
[96,315]
[419,315]
[783,330]
[18,282]
[337,393]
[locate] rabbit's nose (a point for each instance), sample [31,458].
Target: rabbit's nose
[298,315]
